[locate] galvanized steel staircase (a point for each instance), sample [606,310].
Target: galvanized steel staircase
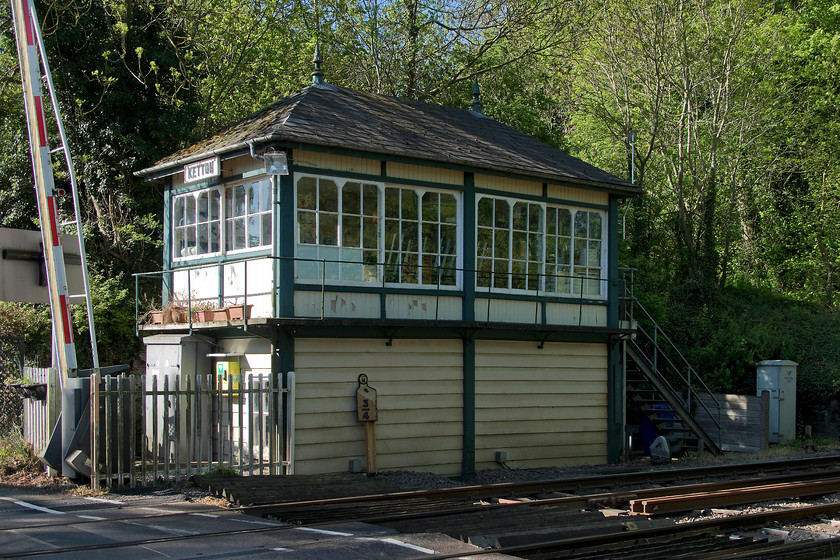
[662,387]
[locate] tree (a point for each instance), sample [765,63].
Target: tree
[682,76]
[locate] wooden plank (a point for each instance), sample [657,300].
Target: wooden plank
[420,388]
[559,349]
[558,454]
[424,173]
[492,376]
[321,405]
[388,445]
[541,401]
[545,416]
[507,441]
[526,428]
[498,364]
[331,163]
[508,185]
[541,387]
[392,373]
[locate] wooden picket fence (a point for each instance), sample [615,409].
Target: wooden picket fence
[149,429]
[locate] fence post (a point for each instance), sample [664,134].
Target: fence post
[290,423]
[94,431]
[53,406]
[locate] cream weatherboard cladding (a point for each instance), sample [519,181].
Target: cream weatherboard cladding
[336,163]
[544,406]
[419,385]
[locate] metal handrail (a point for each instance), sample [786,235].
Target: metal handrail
[540,294]
[692,376]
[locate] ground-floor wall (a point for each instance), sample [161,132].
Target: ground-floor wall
[444,405]
[418,384]
[541,407]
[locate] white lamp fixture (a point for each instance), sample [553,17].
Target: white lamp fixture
[276,163]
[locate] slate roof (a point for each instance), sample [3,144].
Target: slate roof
[335,117]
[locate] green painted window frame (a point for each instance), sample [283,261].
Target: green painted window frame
[529,247]
[407,237]
[209,231]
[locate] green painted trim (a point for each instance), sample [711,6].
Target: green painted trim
[283,351]
[615,400]
[222,258]
[286,234]
[612,264]
[275,244]
[167,225]
[468,437]
[200,186]
[468,244]
[429,329]
[322,172]
[546,199]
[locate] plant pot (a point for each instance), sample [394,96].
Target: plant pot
[175,315]
[156,317]
[220,314]
[239,312]
[204,315]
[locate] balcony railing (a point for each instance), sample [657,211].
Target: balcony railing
[582,291]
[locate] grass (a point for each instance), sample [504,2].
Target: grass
[17,456]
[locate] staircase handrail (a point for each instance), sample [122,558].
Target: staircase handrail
[630,314]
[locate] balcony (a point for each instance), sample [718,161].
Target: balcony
[251,284]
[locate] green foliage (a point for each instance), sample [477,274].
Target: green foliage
[224,472]
[725,335]
[17,455]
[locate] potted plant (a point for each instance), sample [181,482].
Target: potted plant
[239,311]
[203,312]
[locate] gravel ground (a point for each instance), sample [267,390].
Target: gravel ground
[412,480]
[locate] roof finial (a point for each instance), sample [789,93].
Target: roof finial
[476,104]
[317,74]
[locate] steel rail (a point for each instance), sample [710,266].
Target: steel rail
[585,500]
[530,487]
[734,523]
[734,496]
[669,495]
[508,489]
[740,522]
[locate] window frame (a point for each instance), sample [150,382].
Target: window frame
[261,213]
[222,220]
[379,278]
[542,286]
[195,195]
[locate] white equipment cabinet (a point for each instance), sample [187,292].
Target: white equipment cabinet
[170,356]
[778,377]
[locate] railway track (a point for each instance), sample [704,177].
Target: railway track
[587,517]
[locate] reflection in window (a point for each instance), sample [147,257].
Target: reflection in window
[536,247]
[573,251]
[196,223]
[248,215]
[366,232]
[337,230]
[493,244]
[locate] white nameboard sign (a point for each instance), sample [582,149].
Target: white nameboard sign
[201,170]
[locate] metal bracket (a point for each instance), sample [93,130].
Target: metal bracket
[390,340]
[541,345]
